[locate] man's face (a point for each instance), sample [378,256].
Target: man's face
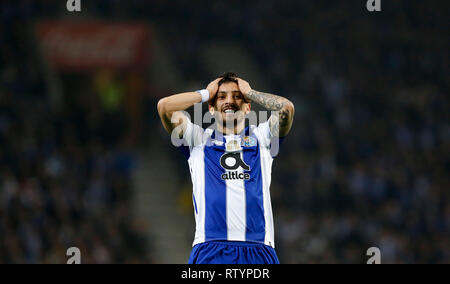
[230,106]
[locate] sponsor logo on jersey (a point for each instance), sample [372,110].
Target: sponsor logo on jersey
[231,162]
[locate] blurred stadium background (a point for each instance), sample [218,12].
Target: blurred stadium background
[85,162]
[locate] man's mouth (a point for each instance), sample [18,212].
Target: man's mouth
[228,110]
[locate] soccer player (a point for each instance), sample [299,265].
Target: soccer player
[230,167]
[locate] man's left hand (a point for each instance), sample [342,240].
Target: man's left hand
[244,86]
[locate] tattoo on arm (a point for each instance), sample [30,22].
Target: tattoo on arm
[284,117]
[274,125]
[274,103]
[279,121]
[269,101]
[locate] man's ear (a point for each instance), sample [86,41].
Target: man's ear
[211,109]
[249,108]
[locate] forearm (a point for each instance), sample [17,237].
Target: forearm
[178,102]
[280,125]
[268,101]
[169,110]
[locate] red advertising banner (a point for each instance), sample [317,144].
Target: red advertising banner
[86,45]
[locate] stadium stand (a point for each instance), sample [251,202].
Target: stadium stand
[366,163]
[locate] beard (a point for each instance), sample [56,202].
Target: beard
[229,120]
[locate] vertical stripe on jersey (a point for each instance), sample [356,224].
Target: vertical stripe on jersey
[195,204]
[198,180]
[266,165]
[236,208]
[215,194]
[255,220]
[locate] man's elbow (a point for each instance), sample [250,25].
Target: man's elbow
[162,106]
[289,106]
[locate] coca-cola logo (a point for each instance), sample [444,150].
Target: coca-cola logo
[92,45]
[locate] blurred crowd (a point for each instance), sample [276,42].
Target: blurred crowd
[365,165]
[65,174]
[367,161]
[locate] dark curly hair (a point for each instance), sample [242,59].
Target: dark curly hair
[226,78]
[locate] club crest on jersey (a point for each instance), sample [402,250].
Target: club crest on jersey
[248,141]
[233,145]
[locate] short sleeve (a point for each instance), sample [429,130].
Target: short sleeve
[192,137]
[265,135]
[267,139]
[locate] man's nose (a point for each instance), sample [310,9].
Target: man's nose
[230,99]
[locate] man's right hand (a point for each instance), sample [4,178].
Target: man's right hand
[169,108]
[213,87]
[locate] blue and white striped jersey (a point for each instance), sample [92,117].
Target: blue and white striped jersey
[231,177]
